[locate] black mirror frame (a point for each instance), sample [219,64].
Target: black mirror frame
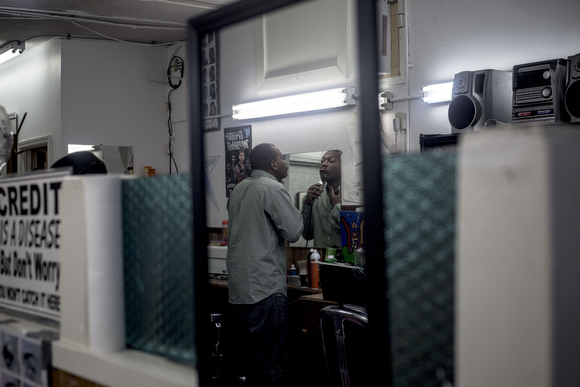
[368,91]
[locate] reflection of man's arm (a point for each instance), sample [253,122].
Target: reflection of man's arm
[313,193]
[335,210]
[334,216]
[332,219]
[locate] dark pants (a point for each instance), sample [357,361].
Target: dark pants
[262,332]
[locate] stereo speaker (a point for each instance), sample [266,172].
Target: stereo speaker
[572,95]
[479,98]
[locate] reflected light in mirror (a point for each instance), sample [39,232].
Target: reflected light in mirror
[318,100]
[72,148]
[117,159]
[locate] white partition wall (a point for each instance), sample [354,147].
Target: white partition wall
[518,258]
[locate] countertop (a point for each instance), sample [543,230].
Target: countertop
[220,283]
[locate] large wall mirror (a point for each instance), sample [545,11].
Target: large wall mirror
[318,38]
[117,159]
[291,134]
[305,171]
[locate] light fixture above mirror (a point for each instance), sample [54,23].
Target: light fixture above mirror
[298,103]
[440,92]
[10,50]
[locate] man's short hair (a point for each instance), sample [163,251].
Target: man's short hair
[334,150]
[262,155]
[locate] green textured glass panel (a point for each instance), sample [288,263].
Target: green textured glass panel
[158,248]
[419,213]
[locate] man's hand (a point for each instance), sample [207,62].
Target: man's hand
[334,199]
[313,193]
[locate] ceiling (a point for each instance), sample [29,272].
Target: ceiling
[137,21]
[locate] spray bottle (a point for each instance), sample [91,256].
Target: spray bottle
[314,275]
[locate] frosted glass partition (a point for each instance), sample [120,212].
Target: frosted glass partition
[158,251]
[419,211]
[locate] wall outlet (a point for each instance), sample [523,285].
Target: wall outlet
[402,117]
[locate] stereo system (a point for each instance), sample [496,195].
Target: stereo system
[546,91]
[479,98]
[538,92]
[572,95]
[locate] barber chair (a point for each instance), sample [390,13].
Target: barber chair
[83,163]
[344,327]
[345,337]
[222,378]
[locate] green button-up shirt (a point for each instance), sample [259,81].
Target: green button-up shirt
[261,218]
[322,222]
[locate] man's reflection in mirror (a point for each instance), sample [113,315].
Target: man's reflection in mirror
[321,206]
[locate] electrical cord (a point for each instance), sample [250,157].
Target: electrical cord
[175,64]
[309,225]
[170,132]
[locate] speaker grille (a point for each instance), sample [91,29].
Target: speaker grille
[461,112]
[572,95]
[573,99]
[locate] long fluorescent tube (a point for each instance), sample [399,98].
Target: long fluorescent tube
[72,148]
[10,50]
[440,92]
[318,100]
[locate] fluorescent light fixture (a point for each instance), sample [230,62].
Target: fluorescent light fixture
[10,50]
[440,92]
[308,102]
[72,148]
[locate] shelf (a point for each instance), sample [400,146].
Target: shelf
[123,368]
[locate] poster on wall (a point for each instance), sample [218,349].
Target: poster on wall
[209,82]
[238,147]
[30,243]
[351,233]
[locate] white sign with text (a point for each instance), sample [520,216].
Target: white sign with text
[30,242]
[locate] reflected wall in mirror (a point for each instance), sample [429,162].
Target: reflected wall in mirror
[117,159]
[307,171]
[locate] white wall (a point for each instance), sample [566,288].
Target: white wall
[450,36]
[114,94]
[30,83]
[94,92]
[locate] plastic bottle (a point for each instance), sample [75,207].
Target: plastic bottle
[225,230]
[293,270]
[339,257]
[359,257]
[314,275]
